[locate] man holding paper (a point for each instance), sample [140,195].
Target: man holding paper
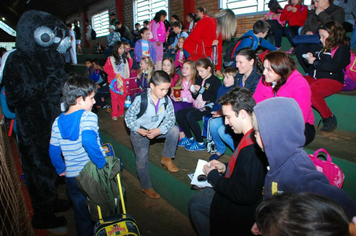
[228,208]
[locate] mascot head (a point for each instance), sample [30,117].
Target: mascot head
[38,31]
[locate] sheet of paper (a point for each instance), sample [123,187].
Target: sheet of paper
[199,171]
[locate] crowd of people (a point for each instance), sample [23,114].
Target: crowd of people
[259,99]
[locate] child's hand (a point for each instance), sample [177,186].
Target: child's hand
[215,42]
[158,43]
[152,133]
[98,86]
[177,99]
[142,132]
[173,52]
[128,55]
[169,47]
[196,88]
[180,61]
[218,73]
[289,8]
[63,174]
[311,58]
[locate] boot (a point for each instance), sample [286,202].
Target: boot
[150,193]
[329,124]
[167,162]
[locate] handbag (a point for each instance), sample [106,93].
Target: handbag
[196,56]
[334,174]
[306,39]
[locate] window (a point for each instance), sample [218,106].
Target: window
[146,9]
[251,6]
[7,29]
[100,23]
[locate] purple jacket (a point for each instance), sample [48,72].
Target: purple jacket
[281,126]
[138,51]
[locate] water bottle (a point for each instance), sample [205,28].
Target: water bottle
[214,55]
[128,102]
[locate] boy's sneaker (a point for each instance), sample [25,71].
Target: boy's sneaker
[210,147]
[107,107]
[184,141]
[195,147]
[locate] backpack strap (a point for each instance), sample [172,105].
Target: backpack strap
[144,104]
[238,43]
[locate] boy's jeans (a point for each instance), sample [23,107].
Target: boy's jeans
[141,147]
[218,132]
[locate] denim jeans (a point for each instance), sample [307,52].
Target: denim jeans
[220,134]
[199,211]
[82,218]
[141,147]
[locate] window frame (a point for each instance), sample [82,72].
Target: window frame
[101,26]
[261,6]
[163,5]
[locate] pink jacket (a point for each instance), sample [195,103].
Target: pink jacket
[185,94]
[176,62]
[269,17]
[296,87]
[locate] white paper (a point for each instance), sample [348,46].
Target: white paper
[199,171]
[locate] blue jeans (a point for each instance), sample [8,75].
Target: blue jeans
[82,218]
[199,211]
[141,147]
[353,39]
[221,135]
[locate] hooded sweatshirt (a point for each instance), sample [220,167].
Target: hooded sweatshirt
[281,126]
[76,136]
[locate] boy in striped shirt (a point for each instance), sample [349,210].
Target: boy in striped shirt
[75,135]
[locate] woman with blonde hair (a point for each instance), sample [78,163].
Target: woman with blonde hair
[209,32]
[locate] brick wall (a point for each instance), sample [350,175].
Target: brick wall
[176,8]
[128,13]
[245,23]
[211,6]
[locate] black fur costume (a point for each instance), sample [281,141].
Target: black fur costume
[33,77]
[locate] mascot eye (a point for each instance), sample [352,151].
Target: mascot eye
[44,36]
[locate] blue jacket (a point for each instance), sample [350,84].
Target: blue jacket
[291,169]
[256,42]
[138,51]
[221,91]
[251,82]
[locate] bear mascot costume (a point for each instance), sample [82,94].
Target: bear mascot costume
[33,75]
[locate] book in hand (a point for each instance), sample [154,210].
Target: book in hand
[199,178]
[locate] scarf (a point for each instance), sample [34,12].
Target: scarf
[246,140]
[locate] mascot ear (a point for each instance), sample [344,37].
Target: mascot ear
[44,36]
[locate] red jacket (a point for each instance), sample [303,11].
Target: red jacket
[297,18]
[204,31]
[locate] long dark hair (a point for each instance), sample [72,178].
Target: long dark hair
[116,55]
[281,64]
[158,15]
[274,6]
[337,35]
[250,54]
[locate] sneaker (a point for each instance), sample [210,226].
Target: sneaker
[114,118]
[290,50]
[184,141]
[208,146]
[278,48]
[329,124]
[195,147]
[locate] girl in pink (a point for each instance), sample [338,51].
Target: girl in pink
[179,54]
[188,78]
[281,79]
[159,32]
[168,67]
[273,18]
[118,68]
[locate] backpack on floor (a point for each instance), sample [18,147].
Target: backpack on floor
[230,52]
[121,224]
